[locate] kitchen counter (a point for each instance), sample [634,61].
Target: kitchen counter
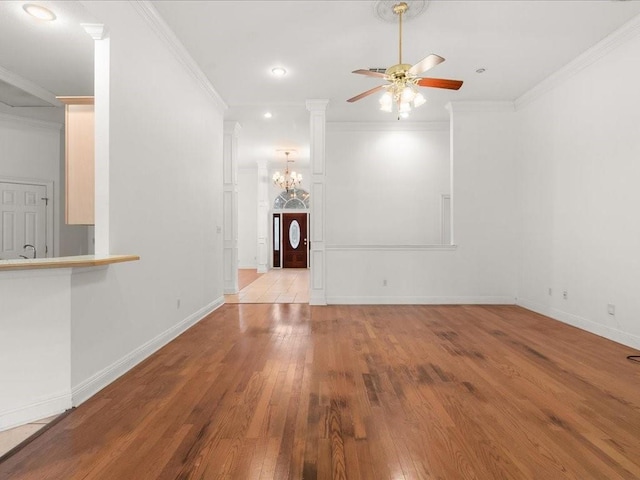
[64,262]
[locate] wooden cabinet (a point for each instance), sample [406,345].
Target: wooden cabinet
[79,160]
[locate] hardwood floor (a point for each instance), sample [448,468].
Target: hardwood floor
[247,276]
[350,392]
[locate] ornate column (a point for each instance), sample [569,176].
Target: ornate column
[230,206]
[317,288]
[263,216]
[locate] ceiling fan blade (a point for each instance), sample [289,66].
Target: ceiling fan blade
[369,73]
[440,83]
[426,63]
[367,93]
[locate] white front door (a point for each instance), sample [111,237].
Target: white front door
[23,220]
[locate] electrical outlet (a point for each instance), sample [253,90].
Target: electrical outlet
[611,309]
[565,294]
[384,282]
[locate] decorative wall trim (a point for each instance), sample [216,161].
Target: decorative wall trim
[148,12]
[582,323]
[97,31]
[481,106]
[386,126]
[251,266]
[29,87]
[89,387]
[43,408]
[14,120]
[398,247]
[399,300]
[619,37]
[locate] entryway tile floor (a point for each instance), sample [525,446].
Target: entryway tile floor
[286,285]
[14,436]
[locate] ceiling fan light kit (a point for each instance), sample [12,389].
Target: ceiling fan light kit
[402,91]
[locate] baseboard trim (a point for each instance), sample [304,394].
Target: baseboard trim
[89,387]
[473,300]
[43,408]
[582,323]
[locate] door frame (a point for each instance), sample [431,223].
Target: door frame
[282,211]
[50,222]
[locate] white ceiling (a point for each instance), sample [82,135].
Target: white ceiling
[236,43]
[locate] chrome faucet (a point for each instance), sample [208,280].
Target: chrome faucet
[30,246]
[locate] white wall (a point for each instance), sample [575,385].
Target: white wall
[384,183]
[165,205]
[579,149]
[34,345]
[481,269]
[247,217]
[33,149]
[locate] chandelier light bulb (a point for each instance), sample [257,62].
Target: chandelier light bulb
[405,107]
[386,99]
[386,107]
[404,114]
[419,100]
[407,95]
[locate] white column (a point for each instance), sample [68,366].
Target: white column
[317,288]
[263,217]
[230,206]
[101,95]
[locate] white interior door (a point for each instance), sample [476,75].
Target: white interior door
[23,220]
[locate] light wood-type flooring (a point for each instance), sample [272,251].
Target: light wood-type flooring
[288,391]
[280,285]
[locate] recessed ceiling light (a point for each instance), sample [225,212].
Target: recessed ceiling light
[268,115]
[39,12]
[278,71]
[481,70]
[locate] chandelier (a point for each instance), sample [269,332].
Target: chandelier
[287,180]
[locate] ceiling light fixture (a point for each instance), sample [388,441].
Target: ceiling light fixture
[287,180]
[41,13]
[402,91]
[278,71]
[481,70]
[268,115]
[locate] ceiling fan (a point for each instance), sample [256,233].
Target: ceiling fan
[403,78]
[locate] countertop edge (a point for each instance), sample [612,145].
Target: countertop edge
[65,262]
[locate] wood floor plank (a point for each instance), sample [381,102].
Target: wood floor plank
[358,392]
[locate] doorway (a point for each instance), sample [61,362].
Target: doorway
[23,213]
[294,236]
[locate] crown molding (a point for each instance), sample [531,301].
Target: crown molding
[319,105]
[97,31]
[13,120]
[397,126]
[29,87]
[619,37]
[481,106]
[148,12]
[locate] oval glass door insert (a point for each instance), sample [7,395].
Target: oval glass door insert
[294,234]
